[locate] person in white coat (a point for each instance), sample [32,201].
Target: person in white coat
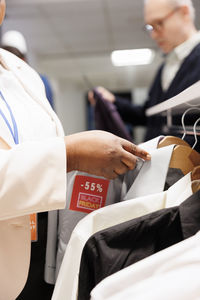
[33,163]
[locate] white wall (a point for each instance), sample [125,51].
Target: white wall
[139,96]
[70,106]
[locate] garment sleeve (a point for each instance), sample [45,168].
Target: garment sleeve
[135,114]
[129,112]
[32,178]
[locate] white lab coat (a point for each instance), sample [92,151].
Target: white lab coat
[32,174]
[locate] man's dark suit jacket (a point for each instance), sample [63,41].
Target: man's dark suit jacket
[188,74]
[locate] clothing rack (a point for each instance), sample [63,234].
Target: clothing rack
[189,98]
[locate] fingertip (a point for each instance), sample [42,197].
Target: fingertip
[148,156]
[135,150]
[145,155]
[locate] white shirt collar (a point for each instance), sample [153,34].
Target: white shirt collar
[182,51]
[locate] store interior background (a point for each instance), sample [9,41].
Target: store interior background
[71,41]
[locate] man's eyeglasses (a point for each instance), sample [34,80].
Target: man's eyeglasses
[158,25]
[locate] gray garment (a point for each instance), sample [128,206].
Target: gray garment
[69,218]
[51,250]
[61,223]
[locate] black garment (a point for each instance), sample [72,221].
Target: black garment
[173,175]
[187,75]
[117,247]
[36,287]
[107,118]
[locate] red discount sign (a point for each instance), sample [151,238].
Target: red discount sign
[89,193]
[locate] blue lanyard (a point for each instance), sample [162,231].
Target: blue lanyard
[13,131]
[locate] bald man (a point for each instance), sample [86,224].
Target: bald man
[170,24]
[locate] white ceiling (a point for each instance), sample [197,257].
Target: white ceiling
[74,38]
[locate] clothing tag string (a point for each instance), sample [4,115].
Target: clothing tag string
[13,131]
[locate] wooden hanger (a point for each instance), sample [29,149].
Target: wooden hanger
[195,175]
[195,179]
[183,157]
[169,140]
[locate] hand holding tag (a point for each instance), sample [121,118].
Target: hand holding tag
[101,153]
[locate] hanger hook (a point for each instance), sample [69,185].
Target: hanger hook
[183,123]
[195,132]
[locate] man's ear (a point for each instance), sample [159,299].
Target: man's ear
[185,10]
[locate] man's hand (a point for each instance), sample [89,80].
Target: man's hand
[108,96]
[101,153]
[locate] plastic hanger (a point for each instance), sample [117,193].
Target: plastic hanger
[195,132]
[169,140]
[183,120]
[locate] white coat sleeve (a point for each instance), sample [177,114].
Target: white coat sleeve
[32,178]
